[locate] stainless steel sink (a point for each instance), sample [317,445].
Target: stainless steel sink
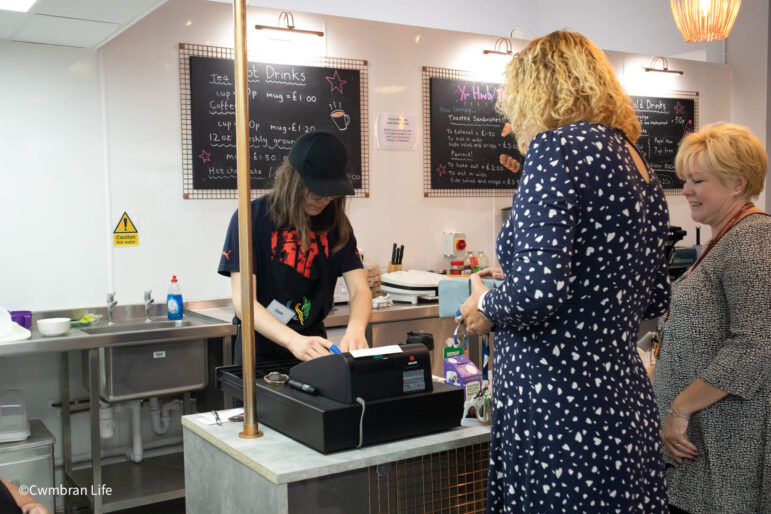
[174,360]
[137,326]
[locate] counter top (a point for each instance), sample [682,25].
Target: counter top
[282,460]
[338,316]
[210,319]
[201,326]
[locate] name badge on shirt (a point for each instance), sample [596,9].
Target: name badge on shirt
[280,312]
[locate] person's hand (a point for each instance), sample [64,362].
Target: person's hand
[476,324]
[306,348]
[508,162]
[494,273]
[651,372]
[675,441]
[353,341]
[34,508]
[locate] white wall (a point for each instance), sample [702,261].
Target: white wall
[55,252]
[496,17]
[749,94]
[626,26]
[51,178]
[638,27]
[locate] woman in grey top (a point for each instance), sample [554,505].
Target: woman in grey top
[713,375]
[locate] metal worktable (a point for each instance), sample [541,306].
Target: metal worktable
[77,339]
[156,478]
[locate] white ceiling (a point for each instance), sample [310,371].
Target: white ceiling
[78,23]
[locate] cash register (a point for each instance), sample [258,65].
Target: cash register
[352,399]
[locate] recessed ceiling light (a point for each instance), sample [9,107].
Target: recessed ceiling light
[16,5]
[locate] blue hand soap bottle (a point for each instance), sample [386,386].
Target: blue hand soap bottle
[174,304]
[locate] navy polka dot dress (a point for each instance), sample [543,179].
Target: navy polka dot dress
[575,425]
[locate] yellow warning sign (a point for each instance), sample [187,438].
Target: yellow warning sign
[125,233]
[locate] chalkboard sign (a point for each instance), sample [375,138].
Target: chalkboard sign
[465,140]
[665,121]
[285,102]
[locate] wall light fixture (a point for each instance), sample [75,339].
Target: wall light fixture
[287,18]
[664,66]
[502,47]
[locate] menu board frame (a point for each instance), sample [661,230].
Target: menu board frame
[187,50]
[668,178]
[428,168]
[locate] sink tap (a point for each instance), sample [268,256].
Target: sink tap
[148,301]
[111,303]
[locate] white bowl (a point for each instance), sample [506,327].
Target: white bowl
[53,326]
[5,322]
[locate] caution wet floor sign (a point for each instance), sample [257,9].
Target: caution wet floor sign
[125,234]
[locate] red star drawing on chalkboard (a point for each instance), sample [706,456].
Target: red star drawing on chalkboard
[205,156]
[679,109]
[442,169]
[336,82]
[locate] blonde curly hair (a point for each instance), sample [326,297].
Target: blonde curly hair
[559,79]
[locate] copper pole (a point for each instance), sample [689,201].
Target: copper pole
[251,430]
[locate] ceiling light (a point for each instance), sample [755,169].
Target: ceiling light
[705,20]
[16,5]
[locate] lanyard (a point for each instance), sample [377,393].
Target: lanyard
[747,209]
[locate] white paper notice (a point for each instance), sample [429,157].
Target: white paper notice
[396,131]
[379,350]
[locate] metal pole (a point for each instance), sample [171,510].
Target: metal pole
[251,430]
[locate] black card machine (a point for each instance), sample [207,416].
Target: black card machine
[344,378]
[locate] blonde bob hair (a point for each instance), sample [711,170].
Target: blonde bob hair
[727,151]
[559,79]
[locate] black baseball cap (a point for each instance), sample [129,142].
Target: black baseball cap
[320,158]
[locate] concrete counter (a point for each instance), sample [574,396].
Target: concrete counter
[224,473]
[338,316]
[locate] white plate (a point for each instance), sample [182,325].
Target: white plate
[412,278]
[17,333]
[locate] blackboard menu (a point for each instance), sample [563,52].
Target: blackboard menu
[285,102]
[466,142]
[665,121]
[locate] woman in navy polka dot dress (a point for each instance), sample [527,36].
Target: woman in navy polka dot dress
[575,425]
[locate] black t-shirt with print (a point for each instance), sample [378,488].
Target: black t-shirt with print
[305,284]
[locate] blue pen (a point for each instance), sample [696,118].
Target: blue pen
[334,349]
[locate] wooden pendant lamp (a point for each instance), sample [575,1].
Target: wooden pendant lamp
[705,20]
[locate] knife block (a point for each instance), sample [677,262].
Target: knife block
[394,267]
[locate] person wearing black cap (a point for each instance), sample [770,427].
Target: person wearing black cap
[302,241]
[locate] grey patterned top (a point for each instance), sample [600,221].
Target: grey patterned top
[718,330]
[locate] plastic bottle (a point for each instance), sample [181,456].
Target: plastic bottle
[174,304]
[468,263]
[483,261]
[476,262]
